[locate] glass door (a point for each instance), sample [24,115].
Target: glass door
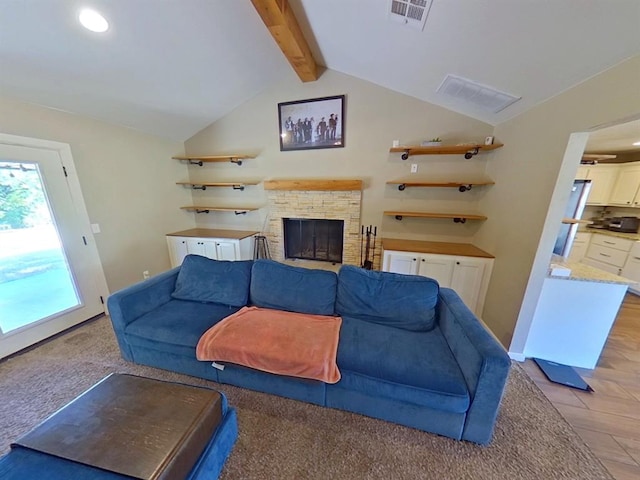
[50,275]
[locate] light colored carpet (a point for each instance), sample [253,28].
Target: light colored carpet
[285,439]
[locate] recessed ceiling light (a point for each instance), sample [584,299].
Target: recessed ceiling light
[636,144]
[92,20]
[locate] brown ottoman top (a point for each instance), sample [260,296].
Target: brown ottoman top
[135,426]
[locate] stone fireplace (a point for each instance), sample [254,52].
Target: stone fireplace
[315,199]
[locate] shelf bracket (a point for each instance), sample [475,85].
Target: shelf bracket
[238,187]
[202,211]
[238,212]
[198,187]
[195,162]
[465,188]
[402,186]
[471,153]
[237,161]
[398,217]
[460,220]
[405,155]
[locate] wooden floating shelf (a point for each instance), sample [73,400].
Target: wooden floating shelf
[204,185]
[236,210]
[313,185]
[594,157]
[461,186]
[572,221]
[457,217]
[468,150]
[200,160]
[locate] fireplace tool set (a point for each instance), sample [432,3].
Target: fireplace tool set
[368,241]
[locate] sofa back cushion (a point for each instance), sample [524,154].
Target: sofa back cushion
[295,289]
[402,301]
[202,279]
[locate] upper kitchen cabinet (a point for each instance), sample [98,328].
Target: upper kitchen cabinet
[625,191]
[603,178]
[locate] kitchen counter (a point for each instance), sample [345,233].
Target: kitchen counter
[609,233]
[586,273]
[574,315]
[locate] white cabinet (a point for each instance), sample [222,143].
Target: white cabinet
[201,246]
[579,246]
[631,269]
[626,189]
[603,178]
[468,276]
[217,248]
[608,253]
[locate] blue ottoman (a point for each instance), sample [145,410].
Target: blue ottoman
[129,427]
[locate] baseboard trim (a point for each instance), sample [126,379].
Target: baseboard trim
[518,357]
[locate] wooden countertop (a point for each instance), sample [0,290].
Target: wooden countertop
[214,233]
[440,248]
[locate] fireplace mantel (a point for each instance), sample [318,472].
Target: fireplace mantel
[314,185]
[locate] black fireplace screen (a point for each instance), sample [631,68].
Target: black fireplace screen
[313,239]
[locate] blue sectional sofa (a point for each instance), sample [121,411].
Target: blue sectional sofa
[409,352]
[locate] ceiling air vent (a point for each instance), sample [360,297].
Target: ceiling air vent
[484,97]
[410,12]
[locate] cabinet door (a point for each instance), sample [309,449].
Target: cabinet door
[202,246]
[177,250]
[602,179]
[467,279]
[226,250]
[398,262]
[578,251]
[631,268]
[438,267]
[626,187]
[582,173]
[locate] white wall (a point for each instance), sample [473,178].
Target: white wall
[524,219]
[127,180]
[375,117]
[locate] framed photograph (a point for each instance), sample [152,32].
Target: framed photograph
[311,124]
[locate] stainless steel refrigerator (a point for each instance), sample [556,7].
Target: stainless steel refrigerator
[575,207]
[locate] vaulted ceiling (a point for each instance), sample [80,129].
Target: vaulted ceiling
[172,67]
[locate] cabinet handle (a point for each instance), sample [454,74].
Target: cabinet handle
[605,255]
[415,259]
[422,260]
[608,243]
[457,263]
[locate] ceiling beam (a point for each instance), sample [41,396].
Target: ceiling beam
[281,22]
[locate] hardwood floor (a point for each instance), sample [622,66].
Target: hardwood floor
[608,419]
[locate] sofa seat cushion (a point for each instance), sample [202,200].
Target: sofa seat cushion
[177,325]
[401,301]
[294,289]
[415,367]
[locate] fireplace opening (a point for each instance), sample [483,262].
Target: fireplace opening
[313,239]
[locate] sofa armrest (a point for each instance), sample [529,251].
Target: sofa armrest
[482,360]
[132,302]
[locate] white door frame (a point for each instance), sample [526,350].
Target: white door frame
[14,341]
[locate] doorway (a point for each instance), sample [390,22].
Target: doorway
[50,273]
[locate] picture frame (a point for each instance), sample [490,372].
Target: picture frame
[312,124]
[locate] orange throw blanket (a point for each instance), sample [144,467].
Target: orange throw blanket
[275,341]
